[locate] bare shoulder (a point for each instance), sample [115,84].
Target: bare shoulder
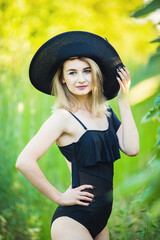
[56,124]
[48,133]
[60,118]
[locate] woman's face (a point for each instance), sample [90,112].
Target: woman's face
[77,76]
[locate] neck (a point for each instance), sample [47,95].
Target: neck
[84,102]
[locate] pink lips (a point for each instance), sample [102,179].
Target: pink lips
[82,87]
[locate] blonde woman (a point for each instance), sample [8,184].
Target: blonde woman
[82,70]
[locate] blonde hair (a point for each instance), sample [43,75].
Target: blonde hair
[65,99]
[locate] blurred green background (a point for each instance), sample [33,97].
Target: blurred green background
[132,27]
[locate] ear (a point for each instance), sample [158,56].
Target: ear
[63,81]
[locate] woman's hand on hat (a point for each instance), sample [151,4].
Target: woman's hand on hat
[124,80]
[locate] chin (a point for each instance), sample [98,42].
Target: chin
[82,93]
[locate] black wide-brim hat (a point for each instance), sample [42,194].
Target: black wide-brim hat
[55,51]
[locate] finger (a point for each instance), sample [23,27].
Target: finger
[122,69]
[120,82]
[129,83]
[127,73]
[126,70]
[124,81]
[82,203]
[87,194]
[85,186]
[86,198]
[122,75]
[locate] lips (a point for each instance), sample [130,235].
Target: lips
[82,87]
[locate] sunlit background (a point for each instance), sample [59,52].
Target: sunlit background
[132,27]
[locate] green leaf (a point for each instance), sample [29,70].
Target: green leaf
[118,226]
[155,40]
[146,9]
[155,58]
[157,101]
[158,49]
[153,160]
[143,196]
[152,67]
[130,225]
[154,113]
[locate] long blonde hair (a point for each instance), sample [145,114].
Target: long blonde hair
[65,99]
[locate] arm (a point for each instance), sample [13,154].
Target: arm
[127,133]
[27,164]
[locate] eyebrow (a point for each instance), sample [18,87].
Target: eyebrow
[76,69]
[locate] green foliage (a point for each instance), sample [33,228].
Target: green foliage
[129,225]
[146,182]
[153,63]
[152,192]
[152,68]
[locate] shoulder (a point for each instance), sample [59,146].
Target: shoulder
[60,114]
[61,117]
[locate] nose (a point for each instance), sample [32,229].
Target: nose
[81,78]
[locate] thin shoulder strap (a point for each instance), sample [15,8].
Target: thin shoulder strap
[79,121]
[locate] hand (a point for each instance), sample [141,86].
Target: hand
[124,81]
[73,196]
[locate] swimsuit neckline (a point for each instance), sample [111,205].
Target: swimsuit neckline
[88,130]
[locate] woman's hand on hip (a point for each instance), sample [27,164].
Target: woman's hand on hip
[74,196]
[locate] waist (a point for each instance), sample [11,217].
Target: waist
[101,200]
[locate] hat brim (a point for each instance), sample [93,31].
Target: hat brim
[51,54]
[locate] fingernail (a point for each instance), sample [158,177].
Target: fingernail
[94,187]
[93,200]
[120,67]
[118,70]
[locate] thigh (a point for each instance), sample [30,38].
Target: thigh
[66,228]
[103,235]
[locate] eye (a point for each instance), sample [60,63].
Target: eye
[87,71]
[72,73]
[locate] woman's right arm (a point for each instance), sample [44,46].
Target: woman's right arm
[27,164]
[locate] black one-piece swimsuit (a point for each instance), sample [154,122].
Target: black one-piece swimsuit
[92,158]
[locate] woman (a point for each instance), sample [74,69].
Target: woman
[83,71]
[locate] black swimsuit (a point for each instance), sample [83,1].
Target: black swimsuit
[92,158]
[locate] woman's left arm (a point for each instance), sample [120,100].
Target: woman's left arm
[127,133]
